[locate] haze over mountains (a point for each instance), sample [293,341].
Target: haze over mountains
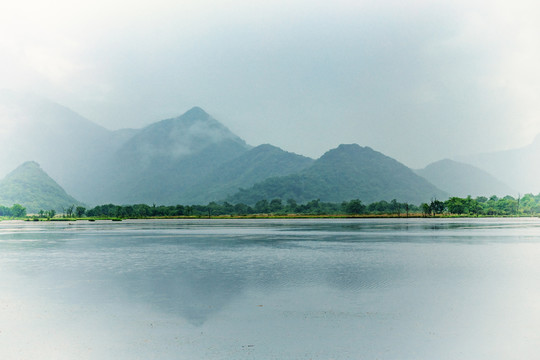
[459,179]
[195,159]
[69,147]
[191,158]
[517,167]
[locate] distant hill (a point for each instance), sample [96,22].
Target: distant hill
[345,173]
[256,165]
[459,179]
[517,167]
[73,149]
[31,187]
[163,160]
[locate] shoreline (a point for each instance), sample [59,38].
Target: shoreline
[272,216]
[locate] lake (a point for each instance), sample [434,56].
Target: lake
[271,289]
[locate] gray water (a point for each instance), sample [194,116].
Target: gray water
[270,289]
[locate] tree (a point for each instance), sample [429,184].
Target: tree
[261,207]
[213,209]
[227,208]
[17,210]
[276,205]
[292,205]
[472,206]
[80,211]
[314,207]
[355,207]
[482,199]
[5,211]
[437,207]
[242,209]
[426,209]
[396,207]
[455,205]
[507,205]
[69,211]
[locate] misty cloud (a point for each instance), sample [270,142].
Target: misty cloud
[418,81]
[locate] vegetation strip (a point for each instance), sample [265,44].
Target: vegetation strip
[528,205]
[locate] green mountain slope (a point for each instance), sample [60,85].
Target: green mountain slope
[345,173]
[31,187]
[461,179]
[256,165]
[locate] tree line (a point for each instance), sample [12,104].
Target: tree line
[529,204]
[480,206]
[15,211]
[264,207]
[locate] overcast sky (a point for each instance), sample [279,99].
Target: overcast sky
[416,80]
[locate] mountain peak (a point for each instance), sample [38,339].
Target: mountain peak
[266,148]
[178,137]
[25,169]
[351,148]
[349,152]
[438,165]
[30,165]
[195,113]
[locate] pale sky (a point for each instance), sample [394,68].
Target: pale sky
[416,80]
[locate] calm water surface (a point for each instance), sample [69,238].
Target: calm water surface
[269,289]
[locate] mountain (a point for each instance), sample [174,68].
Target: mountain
[516,167]
[459,179]
[71,148]
[155,164]
[31,187]
[254,166]
[191,158]
[345,173]
[163,160]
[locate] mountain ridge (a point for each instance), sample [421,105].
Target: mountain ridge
[344,173]
[188,158]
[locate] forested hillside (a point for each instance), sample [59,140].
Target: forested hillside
[345,173]
[256,165]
